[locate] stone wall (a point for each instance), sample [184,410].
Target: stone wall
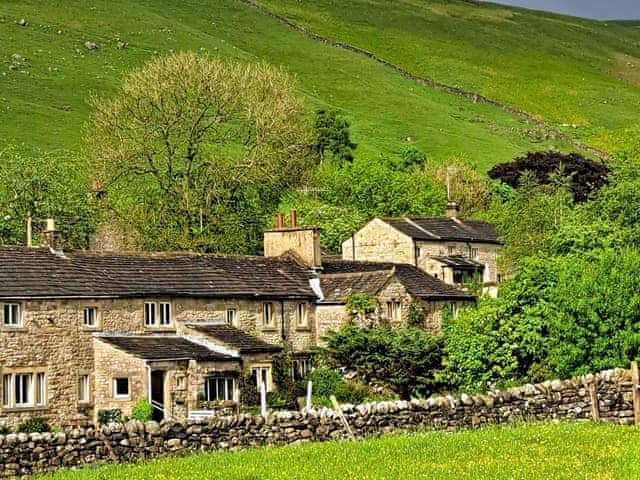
[570,400]
[52,339]
[377,241]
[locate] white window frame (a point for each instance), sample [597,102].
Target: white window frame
[120,396]
[40,389]
[394,311]
[150,314]
[84,393]
[267,314]
[232,316]
[90,317]
[165,314]
[301,315]
[260,372]
[301,367]
[11,315]
[223,381]
[23,390]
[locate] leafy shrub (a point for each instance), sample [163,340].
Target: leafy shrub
[113,415]
[142,410]
[33,425]
[250,395]
[4,429]
[405,359]
[325,381]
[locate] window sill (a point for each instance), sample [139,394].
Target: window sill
[269,329]
[24,409]
[168,328]
[122,399]
[11,328]
[301,328]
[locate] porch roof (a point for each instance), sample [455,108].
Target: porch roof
[170,347]
[234,338]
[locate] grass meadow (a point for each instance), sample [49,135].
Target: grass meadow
[547,451]
[44,98]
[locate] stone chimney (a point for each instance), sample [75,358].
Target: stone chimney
[50,237]
[302,242]
[452,210]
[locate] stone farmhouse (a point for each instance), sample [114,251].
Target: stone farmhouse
[87,331]
[451,249]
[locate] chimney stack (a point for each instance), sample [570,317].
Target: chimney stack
[293,219]
[302,242]
[50,237]
[280,221]
[452,210]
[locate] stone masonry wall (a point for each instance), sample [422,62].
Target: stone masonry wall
[377,241]
[569,400]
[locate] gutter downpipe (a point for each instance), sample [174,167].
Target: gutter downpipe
[282,329]
[146,365]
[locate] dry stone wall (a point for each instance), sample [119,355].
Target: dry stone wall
[570,400]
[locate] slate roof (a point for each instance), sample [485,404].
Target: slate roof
[150,347]
[235,338]
[417,282]
[459,262]
[38,273]
[443,228]
[340,286]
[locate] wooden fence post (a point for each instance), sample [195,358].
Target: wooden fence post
[635,393]
[338,410]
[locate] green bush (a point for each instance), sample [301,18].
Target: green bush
[33,425]
[325,381]
[113,415]
[142,410]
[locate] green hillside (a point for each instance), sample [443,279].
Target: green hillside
[44,90]
[579,75]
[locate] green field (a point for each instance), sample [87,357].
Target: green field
[564,451]
[582,74]
[44,98]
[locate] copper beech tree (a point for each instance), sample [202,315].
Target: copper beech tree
[193,150]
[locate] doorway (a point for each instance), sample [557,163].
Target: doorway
[157,394]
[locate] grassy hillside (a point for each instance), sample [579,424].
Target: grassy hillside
[43,94]
[581,76]
[528,452]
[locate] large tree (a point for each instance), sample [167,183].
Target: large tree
[193,150]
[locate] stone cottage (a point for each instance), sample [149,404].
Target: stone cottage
[451,249]
[84,331]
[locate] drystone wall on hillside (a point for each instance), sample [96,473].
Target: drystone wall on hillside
[571,400]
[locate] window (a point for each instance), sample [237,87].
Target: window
[301,314]
[267,314]
[83,388]
[165,314]
[262,376]
[157,314]
[41,397]
[219,389]
[231,316]
[394,311]
[7,382]
[121,388]
[22,390]
[459,277]
[451,250]
[90,317]
[301,367]
[149,314]
[453,308]
[11,315]
[473,252]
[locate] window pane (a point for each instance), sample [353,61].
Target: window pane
[121,387]
[231,316]
[40,389]
[23,389]
[266,313]
[165,313]
[83,388]
[149,313]
[6,390]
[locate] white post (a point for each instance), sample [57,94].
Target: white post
[263,399]
[309,393]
